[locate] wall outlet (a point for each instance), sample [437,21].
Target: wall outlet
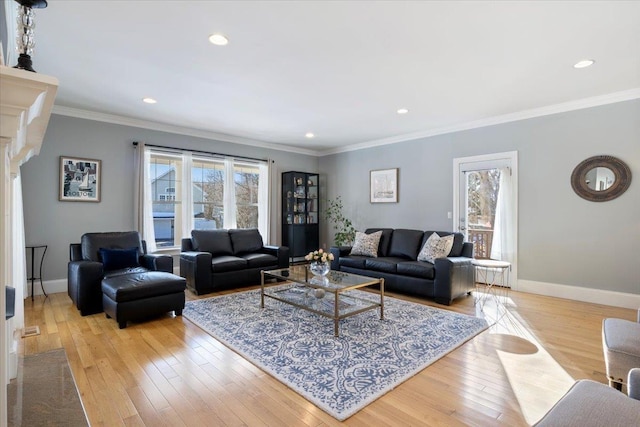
[449,215]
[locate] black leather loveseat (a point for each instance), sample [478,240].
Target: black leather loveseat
[396,261]
[212,260]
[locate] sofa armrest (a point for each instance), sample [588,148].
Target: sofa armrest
[84,279]
[467,250]
[453,277]
[337,252]
[196,268]
[157,262]
[633,384]
[280,252]
[75,252]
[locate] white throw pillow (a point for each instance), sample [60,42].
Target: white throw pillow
[436,247]
[366,244]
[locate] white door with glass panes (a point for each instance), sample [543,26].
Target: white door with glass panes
[485,205]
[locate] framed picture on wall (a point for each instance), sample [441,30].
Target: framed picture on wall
[384,186]
[79,179]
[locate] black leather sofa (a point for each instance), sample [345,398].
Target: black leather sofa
[212,260]
[446,279]
[130,285]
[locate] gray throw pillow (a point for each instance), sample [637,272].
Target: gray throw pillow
[366,244]
[436,247]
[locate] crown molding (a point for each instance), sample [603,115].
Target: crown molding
[611,98]
[162,127]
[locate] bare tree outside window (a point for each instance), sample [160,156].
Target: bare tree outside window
[482,197]
[246,186]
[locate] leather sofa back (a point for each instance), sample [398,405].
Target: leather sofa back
[227,242]
[216,242]
[245,240]
[92,242]
[405,243]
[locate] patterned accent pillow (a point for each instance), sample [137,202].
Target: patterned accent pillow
[366,244]
[436,247]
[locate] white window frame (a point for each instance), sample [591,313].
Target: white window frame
[184,177]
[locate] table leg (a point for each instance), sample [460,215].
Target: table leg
[381,299]
[41,262]
[261,289]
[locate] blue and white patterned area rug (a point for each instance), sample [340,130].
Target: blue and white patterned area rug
[339,375]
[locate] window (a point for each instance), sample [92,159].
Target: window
[201,192]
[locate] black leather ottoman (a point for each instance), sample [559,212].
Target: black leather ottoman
[140,295]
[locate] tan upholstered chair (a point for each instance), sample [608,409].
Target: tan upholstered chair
[621,345]
[592,404]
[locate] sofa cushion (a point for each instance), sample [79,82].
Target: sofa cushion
[354,261]
[132,287]
[436,247]
[224,263]
[458,240]
[117,259]
[245,240]
[366,244]
[384,264]
[424,270]
[255,260]
[405,243]
[216,242]
[385,239]
[92,242]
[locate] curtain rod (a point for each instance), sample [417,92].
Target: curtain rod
[135,144]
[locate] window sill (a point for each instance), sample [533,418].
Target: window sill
[171,250]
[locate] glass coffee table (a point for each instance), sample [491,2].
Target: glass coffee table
[327,296]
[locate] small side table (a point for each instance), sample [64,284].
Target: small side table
[32,276]
[495,274]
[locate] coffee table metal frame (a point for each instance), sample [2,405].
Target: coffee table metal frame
[336,283]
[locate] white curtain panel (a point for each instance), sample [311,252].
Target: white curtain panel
[264,199]
[187,195]
[143,205]
[229,195]
[504,226]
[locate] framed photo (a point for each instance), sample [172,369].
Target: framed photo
[384,186]
[79,179]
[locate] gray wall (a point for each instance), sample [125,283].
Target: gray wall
[57,224]
[563,239]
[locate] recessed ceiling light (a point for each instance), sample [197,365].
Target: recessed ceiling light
[218,39]
[149,100]
[402,111]
[309,135]
[584,63]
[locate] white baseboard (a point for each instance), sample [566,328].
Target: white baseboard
[50,286]
[596,296]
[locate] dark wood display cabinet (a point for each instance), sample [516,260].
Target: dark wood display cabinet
[300,213]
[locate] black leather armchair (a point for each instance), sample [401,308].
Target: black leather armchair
[221,259]
[86,269]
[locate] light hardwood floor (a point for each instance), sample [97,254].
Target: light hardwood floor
[169,372]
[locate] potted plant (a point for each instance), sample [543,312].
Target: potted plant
[344,231]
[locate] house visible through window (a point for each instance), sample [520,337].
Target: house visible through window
[188,192]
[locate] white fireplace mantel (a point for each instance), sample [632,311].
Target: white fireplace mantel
[26,101]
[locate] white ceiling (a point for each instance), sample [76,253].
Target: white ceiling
[337,69]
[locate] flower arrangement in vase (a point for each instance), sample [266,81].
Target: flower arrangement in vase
[319,262]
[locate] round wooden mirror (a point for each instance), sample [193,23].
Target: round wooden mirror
[601,178]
